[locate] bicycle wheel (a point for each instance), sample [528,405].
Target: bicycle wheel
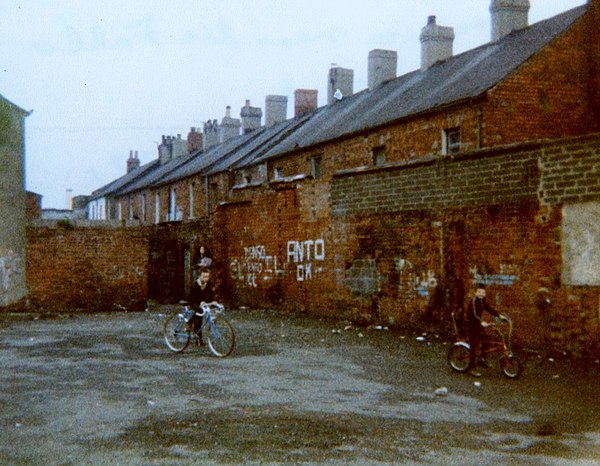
[511,366]
[459,357]
[176,335]
[220,337]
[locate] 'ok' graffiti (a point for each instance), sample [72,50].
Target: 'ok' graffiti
[303,254]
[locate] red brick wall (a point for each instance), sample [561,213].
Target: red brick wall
[87,269]
[386,243]
[549,96]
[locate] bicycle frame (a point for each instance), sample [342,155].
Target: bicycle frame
[214,328]
[503,344]
[208,311]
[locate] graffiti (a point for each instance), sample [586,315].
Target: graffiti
[256,265]
[302,254]
[507,276]
[411,281]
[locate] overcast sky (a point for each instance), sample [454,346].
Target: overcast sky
[106,77]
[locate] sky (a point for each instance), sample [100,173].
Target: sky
[106,77]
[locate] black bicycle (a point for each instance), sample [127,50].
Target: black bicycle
[218,333]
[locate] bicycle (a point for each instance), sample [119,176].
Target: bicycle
[219,334]
[459,355]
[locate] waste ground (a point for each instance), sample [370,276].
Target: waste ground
[104,389]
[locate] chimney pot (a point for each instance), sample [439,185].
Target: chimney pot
[382,67]
[251,117]
[436,43]
[342,79]
[305,101]
[508,16]
[275,109]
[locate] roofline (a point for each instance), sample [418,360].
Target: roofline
[470,100]
[16,107]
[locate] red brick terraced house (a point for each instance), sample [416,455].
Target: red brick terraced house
[389,204]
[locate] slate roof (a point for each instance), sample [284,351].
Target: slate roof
[223,156]
[461,77]
[458,78]
[124,181]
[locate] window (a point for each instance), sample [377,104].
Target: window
[144,207]
[277,173]
[192,187]
[172,204]
[379,155]
[156,208]
[316,167]
[451,141]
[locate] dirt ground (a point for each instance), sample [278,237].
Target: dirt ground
[104,389]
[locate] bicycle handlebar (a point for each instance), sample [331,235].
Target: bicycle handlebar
[213,307]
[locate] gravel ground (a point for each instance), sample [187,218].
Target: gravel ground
[104,389]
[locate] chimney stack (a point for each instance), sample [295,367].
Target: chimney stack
[382,67]
[171,147]
[341,79]
[508,16]
[230,127]
[436,43]
[250,117]
[275,109]
[305,101]
[211,134]
[194,140]
[132,162]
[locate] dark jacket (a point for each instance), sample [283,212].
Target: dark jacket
[476,309]
[199,295]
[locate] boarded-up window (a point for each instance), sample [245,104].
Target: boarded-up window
[581,244]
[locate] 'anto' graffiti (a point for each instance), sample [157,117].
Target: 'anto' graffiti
[302,254]
[256,265]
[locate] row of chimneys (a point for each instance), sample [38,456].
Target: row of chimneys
[436,45]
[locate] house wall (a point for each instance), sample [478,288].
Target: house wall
[13,286]
[496,217]
[405,244]
[551,95]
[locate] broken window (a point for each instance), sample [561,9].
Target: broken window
[379,155]
[451,141]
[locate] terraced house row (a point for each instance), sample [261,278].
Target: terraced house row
[389,203]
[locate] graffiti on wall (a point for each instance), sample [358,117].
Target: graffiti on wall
[507,275]
[305,256]
[256,265]
[411,281]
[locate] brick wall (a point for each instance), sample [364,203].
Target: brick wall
[550,96]
[435,227]
[73,268]
[437,182]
